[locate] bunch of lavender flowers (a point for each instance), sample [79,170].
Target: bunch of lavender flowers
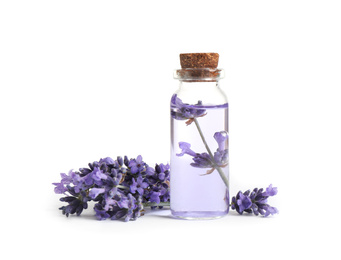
[255,202]
[121,188]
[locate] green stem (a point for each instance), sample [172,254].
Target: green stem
[220,171]
[123,187]
[150,204]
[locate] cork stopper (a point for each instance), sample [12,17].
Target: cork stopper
[197,67]
[199,60]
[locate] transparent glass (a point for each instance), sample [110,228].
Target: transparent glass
[199,183]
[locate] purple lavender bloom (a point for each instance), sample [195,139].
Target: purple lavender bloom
[126,161]
[136,165]
[111,201]
[119,161]
[76,204]
[78,182]
[98,175]
[185,149]
[162,176]
[221,158]
[221,138]
[94,192]
[165,195]
[101,214]
[71,177]
[95,177]
[138,185]
[204,160]
[270,191]
[182,111]
[110,186]
[270,210]
[121,206]
[108,202]
[221,155]
[155,197]
[241,202]
[68,178]
[83,172]
[150,171]
[162,171]
[158,184]
[255,202]
[107,160]
[60,188]
[133,211]
[123,202]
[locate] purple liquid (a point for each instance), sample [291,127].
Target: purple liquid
[194,195]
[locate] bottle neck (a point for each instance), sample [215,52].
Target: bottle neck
[199,74]
[198,86]
[209,92]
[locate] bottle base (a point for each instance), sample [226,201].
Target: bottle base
[198,215]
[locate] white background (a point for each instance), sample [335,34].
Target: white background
[82,80]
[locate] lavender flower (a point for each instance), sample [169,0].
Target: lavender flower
[71,177]
[68,178]
[139,185]
[255,202]
[154,196]
[241,202]
[121,206]
[60,188]
[95,177]
[136,165]
[76,203]
[158,190]
[107,160]
[94,192]
[204,160]
[182,111]
[120,187]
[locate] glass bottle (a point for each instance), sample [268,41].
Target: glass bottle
[199,185]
